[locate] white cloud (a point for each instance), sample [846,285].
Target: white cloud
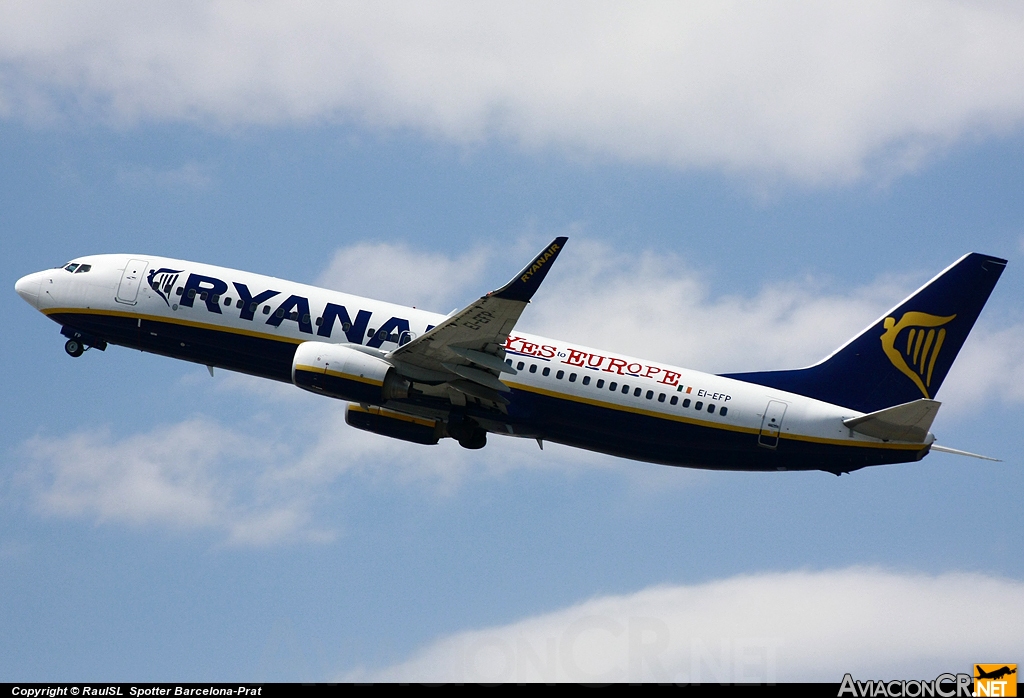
[192,475]
[655,306]
[796,626]
[252,491]
[810,90]
[395,273]
[190,175]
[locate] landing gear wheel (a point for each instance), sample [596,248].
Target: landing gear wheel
[474,440]
[74,348]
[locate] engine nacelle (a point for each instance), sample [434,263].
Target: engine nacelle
[394,424]
[345,373]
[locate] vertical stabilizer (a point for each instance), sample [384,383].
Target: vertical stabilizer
[906,354]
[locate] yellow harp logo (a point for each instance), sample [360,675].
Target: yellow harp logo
[915,356]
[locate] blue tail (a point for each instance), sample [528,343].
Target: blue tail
[905,355]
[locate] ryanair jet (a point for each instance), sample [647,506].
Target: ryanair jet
[418,376]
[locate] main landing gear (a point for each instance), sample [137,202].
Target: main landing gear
[74,348]
[467,432]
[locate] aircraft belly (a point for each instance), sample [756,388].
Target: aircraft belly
[670,442]
[259,356]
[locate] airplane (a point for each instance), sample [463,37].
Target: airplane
[420,376]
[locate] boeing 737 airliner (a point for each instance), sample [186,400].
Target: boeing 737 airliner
[415,375]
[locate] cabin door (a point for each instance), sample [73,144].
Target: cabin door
[771,424]
[128,290]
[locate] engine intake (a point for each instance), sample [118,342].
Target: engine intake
[345,373]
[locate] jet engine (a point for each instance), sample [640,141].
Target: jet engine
[394,424]
[340,371]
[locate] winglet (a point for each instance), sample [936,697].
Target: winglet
[528,280]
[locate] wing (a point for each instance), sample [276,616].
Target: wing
[466,351]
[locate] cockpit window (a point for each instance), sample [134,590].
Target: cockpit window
[82,268]
[71,268]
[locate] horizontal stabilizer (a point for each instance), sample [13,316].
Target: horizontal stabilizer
[907,422]
[958,452]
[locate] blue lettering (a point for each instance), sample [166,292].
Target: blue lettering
[353,330]
[284,312]
[383,334]
[198,285]
[250,302]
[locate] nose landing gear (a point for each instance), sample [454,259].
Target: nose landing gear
[74,348]
[78,342]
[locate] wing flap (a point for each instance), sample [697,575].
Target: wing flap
[468,346]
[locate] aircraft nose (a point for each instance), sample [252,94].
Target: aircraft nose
[28,288]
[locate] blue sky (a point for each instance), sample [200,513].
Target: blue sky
[738,194]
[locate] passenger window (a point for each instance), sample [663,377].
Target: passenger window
[674,400]
[533,368]
[320,321]
[508,361]
[546,371]
[227,301]
[179,290]
[382,335]
[266,310]
[370,332]
[519,366]
[203,295]
[252,307]
[650,394]
[346,326]
[625,389]
[559,375]
[191,293]
[698,406]
[294,315]
[572,377]
[711,408]
[686,402]
[216,298]
[636,393]
[613,386]
[661,397]
[600,382]
[83,268]
[586,380]
[724,411]
[280,312]
[305,319]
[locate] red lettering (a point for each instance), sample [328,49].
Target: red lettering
[592,364]
[651,370]
[547,352]
[630,369]
[576,358]
[529,348]
[671,378]
[511,340]
[615,366]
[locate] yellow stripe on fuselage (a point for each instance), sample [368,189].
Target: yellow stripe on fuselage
[172,321]
[704,423]
[518,386]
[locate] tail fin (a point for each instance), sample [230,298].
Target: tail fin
[906,353]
